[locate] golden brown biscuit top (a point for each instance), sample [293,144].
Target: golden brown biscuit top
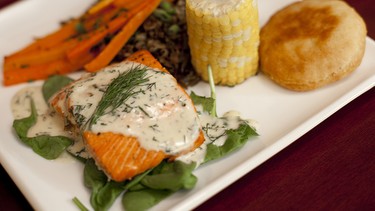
[309,44]
[298,25]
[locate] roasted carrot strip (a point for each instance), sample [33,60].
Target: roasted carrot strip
[96,37]
[38,56]
[109,52]
[99,6]
[70,29]
[126,3]
[50,52]
[92,22]
[53,47]
[50,40]
[100,18]
[43,71]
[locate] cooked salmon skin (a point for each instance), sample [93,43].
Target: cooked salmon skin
[121,156]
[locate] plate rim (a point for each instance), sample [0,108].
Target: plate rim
[232,176]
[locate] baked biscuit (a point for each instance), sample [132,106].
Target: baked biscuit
[309,44]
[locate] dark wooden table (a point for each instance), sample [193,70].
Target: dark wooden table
[332,167]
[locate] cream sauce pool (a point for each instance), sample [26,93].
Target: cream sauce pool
[48,121]
[214,130]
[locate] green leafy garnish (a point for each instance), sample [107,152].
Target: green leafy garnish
[172,176]
[164,180]
[54,84]
[143,191]
[104,192]
[143,199]
[236,139]
[49,147]
[119,90]
[207,103]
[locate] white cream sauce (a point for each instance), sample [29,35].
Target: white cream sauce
[162,116]
[20,102]
[214,130]
[48,122]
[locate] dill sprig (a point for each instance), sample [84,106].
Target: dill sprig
[119,90]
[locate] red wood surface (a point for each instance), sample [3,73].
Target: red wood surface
[332,167]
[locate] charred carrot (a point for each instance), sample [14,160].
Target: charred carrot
[71,29]
[56,52]
[99,6]
[64,32]
[37,57]
[126,3]
[42,71]
[97,36]
[109,52]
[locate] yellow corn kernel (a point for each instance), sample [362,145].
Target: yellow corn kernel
[225,35]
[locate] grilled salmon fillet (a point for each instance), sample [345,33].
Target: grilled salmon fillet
[158,122]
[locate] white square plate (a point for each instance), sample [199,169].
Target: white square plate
[284,116]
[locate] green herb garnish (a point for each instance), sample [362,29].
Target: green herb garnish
[80,28]
[119,90]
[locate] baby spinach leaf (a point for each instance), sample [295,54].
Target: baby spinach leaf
[54,84]
[165,179]
[175,176]
[207,103]
[93,177]
[134,183]
[23,125]
[236,139]
[143,199]
[104,191]
[49,147]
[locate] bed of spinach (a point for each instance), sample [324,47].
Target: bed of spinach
[146,189]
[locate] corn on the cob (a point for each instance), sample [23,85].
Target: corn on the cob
[225,35]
